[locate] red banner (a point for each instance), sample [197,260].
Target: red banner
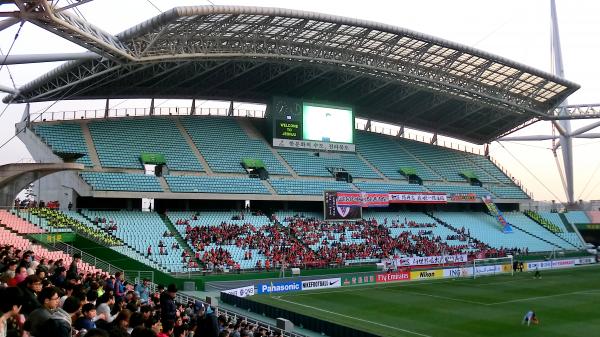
[349,199]
[392,277]
[375,199]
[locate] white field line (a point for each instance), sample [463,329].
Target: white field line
[445,298]
[585,292]
[354,318]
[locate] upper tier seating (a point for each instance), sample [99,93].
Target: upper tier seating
[65,137]
[9,238]
[140,229]
[305,163]
[489,167]
[445,162]
[373,186]
[486,229]
[203,184]
[384,153]
[17,224]
[224,143]
[507,192]
[120,142]
[110,181]
[308,187]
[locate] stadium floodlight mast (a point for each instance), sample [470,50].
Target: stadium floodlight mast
[561,119]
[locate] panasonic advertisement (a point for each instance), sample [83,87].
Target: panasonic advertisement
[321,284]
[279,287]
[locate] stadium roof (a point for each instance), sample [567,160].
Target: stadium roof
[387,73]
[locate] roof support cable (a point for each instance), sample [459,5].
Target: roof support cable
[531,173]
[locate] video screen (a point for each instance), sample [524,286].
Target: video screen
[327,124]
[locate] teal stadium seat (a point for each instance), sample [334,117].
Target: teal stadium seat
[204,184]
[308,187]
[305,163]
[384,153]
[64,137]
[110,181]
[224,143]
[120,142]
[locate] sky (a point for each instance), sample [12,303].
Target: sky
[515,29]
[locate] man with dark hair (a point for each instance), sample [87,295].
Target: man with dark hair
[49,300]
[31,287]
[86,320]
[73,272]
[168,308]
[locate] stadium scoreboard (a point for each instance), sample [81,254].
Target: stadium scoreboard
[308,125]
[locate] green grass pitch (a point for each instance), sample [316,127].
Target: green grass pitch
[566,301]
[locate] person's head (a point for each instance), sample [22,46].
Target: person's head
[180,331]
[34,283]
[49,298]
[136,319]
[20,273]
[88,310]
[172,290]
[167,327]
[118,275]
[146,311]
[12,300]
[122,319]
[72,305]
[76,257]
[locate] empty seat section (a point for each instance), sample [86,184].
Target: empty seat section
[122,249]
[120,143]
[459,189]
[17,224]
[575,217]
[485,228]
[224,143]
[373,186]
[306,163]
[566,233]
[525,223]
[204,184]
[446,162]
[489,167]
[384,154]
[110,181]
[64,137]
[507,192]
[141,229]
[308,187]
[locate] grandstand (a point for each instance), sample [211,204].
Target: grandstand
[228,199]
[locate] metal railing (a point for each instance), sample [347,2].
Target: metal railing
[134,276]
[138,112]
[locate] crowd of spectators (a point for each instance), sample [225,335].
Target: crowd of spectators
[41,299]
[311,242]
